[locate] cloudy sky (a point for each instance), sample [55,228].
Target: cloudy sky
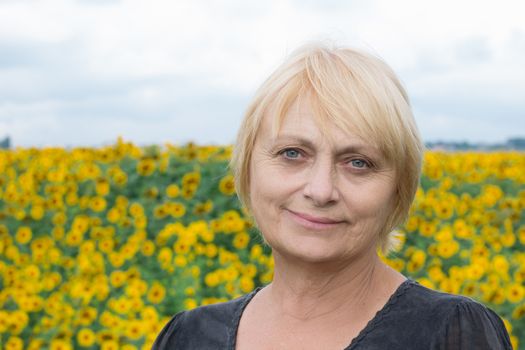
[84,72]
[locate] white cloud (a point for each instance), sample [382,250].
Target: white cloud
[134,60]
[30,124]
[436,127]
[36,21]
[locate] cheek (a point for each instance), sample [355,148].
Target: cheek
[264,205]
[269,192]
[372,200]
[269,183]
[264,190]
[385,209]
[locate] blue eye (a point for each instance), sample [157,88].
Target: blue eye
[291,153]
[358,163]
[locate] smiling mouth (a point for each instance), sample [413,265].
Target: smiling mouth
[314,222]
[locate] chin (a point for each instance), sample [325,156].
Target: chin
[311,250]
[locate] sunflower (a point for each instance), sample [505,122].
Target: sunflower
[227,185]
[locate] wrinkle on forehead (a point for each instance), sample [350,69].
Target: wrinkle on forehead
[306,104]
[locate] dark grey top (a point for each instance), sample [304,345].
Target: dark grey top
[414,317]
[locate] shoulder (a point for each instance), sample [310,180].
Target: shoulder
[458,322]
[450,304]
[429,299]
[471,325]
[413,301]
[210,326]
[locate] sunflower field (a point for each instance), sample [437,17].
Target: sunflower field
[99,247]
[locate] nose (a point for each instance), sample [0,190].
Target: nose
[320,186]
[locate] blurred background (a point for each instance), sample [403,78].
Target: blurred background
[81,73]
[132,216]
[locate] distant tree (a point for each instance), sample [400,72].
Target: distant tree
[516,143]
[5,143]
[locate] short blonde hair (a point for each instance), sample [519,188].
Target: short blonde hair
[356,91]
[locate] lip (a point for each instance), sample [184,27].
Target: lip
[316,222]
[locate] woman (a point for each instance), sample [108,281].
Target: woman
[328,161]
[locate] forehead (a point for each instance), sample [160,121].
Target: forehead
[301,123]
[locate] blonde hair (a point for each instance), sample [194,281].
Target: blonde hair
[356,91]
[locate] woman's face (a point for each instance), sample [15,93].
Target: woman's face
[318,197]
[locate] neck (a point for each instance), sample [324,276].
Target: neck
[307,291]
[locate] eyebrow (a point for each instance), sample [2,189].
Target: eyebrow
[358,147]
